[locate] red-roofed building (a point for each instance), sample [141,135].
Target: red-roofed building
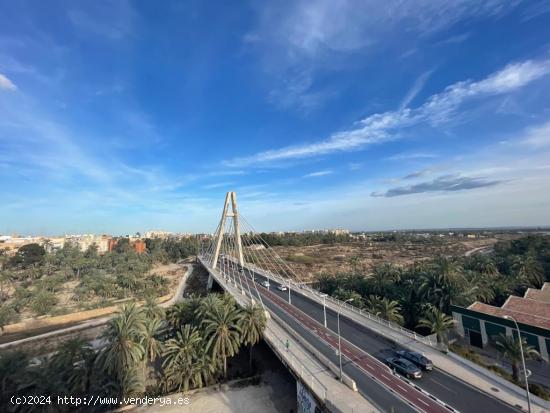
[481,323]
[541,295]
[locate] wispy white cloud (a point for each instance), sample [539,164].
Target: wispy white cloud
[318,173]
[459,38]
[111,20]
[301,39]
[355,166]
[417,86]
[6,83]
[538,137]
[381,127]
[297,92]
[309,28]
[404,156]
[218,185]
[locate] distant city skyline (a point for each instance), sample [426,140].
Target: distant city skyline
[119,116]
[143,234]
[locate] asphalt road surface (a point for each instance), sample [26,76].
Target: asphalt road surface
[360,346]
[357,364]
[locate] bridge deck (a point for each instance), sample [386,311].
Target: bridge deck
[305,365]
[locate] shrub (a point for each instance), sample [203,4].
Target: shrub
[539,390]
[301,259]
[43,302]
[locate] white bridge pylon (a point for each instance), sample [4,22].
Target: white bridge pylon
[230,197]
[240,255]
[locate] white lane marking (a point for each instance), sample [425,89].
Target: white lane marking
[422,401]
[442,385]
[402,388]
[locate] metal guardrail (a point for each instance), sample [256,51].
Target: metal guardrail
[363,313]
[303,371]
[296,365]
[396,327]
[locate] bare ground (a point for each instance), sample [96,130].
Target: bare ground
[308,261]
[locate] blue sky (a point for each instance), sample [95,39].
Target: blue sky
[127,116]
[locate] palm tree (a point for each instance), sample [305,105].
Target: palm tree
[183,347]
[532,271]
[223,332]
[410,301]
[204,368]
[15,374]
[354,262]
[72,359]
[253,323]
[445,283]
[382,277]
[373,303]
[509,348]
[151,309]
[326,283]
[482,264]
[385,308]
[82,377]
[208,305]
[124,349]
[180,354]
[176,314]
[390,310]
[437,322]
[152,347]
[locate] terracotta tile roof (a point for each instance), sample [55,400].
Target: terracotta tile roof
[539,295]
[527,306]
[521,317]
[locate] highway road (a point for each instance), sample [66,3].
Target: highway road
[362,344]
[357,364]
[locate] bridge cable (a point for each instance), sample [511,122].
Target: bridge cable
[291,271]
[272,260]
[246,268]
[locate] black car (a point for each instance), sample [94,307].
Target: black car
[421,361]
[404,367]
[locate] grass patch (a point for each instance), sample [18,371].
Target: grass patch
[301,259]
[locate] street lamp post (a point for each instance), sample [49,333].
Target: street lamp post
[289,301]
[522,361]
[325,307]
[339,344]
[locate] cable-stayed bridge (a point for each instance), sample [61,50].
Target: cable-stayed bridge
[303,330]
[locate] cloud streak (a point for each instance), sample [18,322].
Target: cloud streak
[318,173]
[6,83]
[415,89]
[417,174]
[445,183]
[382,127]
[538,137]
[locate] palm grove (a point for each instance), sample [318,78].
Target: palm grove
[144,351]
[419,296]
[32,281]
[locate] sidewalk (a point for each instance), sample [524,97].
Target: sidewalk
[452,364]
[339,397]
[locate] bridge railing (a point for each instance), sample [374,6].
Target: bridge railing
[306,375]
[428,340]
